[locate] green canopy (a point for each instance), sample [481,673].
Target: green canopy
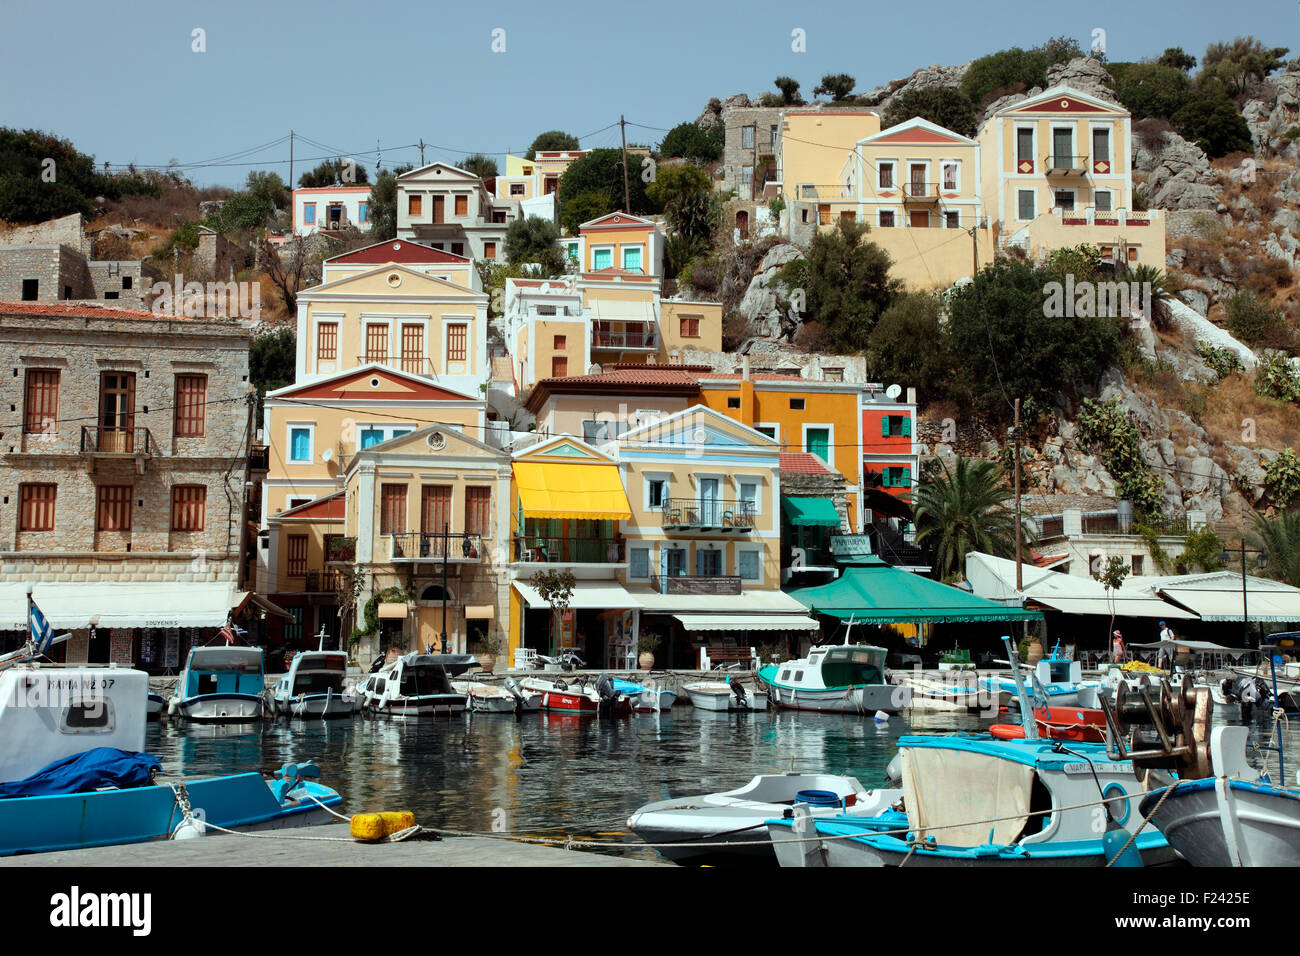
[875,593]
[811,512]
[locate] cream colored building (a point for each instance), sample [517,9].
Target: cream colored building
[529,178]
[438,263]
[812,147]
[451,209]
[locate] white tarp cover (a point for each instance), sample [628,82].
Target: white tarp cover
[135,604]
[950,793]
[606,595]
[747,622]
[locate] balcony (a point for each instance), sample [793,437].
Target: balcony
[322,582]
[630,336]
[259,458]
[1062,165]
[415,546]
[410,364]
[122,444]
[340,549]
[695,584]
[532,549]
[919,192]
[708,515]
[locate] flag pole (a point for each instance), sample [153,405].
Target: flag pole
[31,648]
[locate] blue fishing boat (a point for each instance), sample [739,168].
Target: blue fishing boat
[74,774]
[645,697]
[1062,680]
[223,685]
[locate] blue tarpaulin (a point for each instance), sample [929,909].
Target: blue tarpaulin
[83,772]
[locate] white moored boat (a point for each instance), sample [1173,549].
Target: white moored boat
[505,698]
[724,695]
[738,817]
[221,685]
[413,686]
[313,687]
[842,678]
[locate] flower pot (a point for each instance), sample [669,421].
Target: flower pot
[1035,653]
[646,660]
[487,662]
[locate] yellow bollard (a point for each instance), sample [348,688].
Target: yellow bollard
[372,827]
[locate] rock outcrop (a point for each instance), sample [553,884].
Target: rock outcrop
[1178,173]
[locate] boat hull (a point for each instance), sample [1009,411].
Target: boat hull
[721,698]
[221,708]
[1194,822]
[135,815]
[866,699]
[529,704]
[317,707]
[416,708]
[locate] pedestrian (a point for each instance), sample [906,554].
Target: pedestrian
[1117,648]
[1166,633]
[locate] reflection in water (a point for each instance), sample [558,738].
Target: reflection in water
[549,773]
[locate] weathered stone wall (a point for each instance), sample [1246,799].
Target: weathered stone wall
[61,272]
[830,486]
[124,284]
[66,231]
[736,156]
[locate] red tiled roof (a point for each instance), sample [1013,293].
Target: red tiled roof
[627,375]
[394,250]
[332,507]
[82,308]
[756,376]
[803,463]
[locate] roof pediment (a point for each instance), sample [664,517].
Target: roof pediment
[397,280]
[372,383]
[1063,99]
[917,131]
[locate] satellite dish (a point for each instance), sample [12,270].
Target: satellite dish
[327,454]
[894,391]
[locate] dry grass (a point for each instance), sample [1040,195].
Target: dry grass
[1277,424]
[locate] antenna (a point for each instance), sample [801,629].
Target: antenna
[893,392]
[327,454]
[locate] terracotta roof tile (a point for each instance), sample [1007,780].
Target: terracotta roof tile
[81,308]
[803,463]
[644,375]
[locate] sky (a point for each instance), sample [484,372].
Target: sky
[127,82]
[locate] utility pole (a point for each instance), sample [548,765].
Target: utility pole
[627,201]
[1015,440]
[445,545]
[421,152]
[290,160]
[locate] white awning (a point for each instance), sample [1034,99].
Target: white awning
[747,622]
[1261,605]
[113,604]
[618,310]
[607,595]
[1123,606]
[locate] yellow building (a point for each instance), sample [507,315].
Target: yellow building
[526,179]
[813,146]
[1055,172]
[458,270]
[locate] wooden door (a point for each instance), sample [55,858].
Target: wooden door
[920,219]
[116,412]
[438,211]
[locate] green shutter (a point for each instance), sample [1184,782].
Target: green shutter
[884,426]
[907,478]
[907,426]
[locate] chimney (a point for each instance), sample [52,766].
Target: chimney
[911,395]
[744,368]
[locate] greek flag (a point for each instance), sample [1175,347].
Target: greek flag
[41,630]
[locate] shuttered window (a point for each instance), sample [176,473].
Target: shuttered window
[114,511]
[462,205]
[36,507]
[392,517]
[42,411]
[327,341]
[297,566]
[478,504]
[189,507]
[457,336]
[435,508]
[413,349]
[690,326]
[376,343]
[191,405]
[414,205]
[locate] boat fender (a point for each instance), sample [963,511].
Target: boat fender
[881,717]
[190,827]
[894,769]
[373,827]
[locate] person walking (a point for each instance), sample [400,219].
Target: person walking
[1117,650]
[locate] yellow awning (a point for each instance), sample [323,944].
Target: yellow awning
[563,490]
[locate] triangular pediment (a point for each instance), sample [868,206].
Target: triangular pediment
[386,280]
[372,383]
[439,441]
[702,429]
[620,220]
[564,447]
[916,131]
[1063,99]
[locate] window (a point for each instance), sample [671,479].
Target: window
[885,175]
[363,214]
[656,492]
[478,510]
[632,258]
[489,250]
[1024,204]
[796,404]
[107,295]
[415,205]
[832,374]
[747,566]
[1137,565]
[376,342]
[951,220]
[297,564]
[638,562]
[392,514]
[1101,200]
[1064,199]
[1063,148]
[42,410]
[749,497]
[327,341]
[458,248]
[1025,149]
[457,338]
[368,435]
[189,507]
[886,218]
[818,442]
[412,348]
[31,288]
[602,258]
[675,561]
[36,507]
[498,215]
[733,401]
[435,508]
[950,176]
[559,366]
[771,136]
[573,251]
[747,137]
[893,426]
[462,205]
[560,342]
[597,431]
[1101,147]
[690,327]
[190,412]
[708,563]
[516,189]
[300,444]
[114,511]
[309,213]
[126,282]
[896,478]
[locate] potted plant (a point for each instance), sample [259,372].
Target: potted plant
[486,649]
[647,644]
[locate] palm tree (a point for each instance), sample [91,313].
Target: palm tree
[1279,539]
[965,510]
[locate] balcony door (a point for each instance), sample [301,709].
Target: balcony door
[917,172]
[1063,148]
[708,501]
[116,412]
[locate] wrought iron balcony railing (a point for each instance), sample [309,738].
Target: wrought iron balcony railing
[422,546]
[106,440]
[708,514]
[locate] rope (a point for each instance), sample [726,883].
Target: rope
[329,810]
[1154,810]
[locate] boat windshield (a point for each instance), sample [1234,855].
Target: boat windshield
[417,681]
[857,667]
[310,683]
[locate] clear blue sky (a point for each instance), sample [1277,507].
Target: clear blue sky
[122,82]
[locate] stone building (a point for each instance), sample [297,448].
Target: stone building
[52,262]
[749,149]
[123,463]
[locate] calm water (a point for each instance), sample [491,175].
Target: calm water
[554,774]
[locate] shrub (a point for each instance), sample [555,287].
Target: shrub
[1276,378]
[693,142]
[1211,121]
[1282,478]
[735,330]
[1107,427]
[910,344]
[1250,320]
[1003,70]
[1222,361]
[811,337]
[946,106]
[704,276]
[1149,89]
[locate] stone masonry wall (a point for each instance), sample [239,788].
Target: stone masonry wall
[67,230]
[57,269]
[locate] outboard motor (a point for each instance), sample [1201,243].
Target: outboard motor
[607,694]
[742,695]
[379,662]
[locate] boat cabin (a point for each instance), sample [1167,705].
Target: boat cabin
[412,675]
[836,666]
[48,712]
[224,670]
[1058,670]
[316,672]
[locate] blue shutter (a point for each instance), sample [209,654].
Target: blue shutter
[301,450]
[907,478]
[663,568]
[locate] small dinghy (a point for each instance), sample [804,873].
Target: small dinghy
[645,697]
[505,698]
[724,695]
[736,818]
